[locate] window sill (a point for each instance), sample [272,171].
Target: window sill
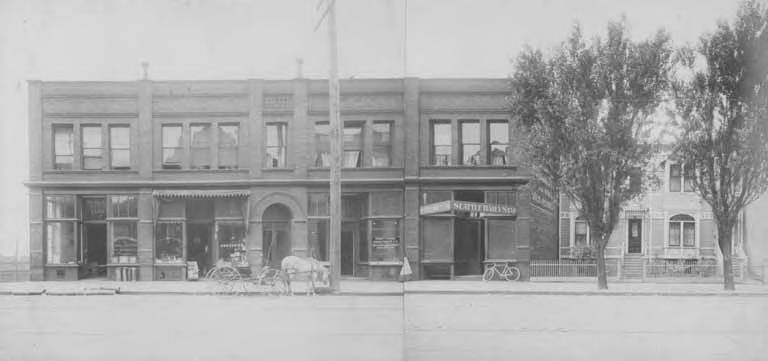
[81,171]
[198,171]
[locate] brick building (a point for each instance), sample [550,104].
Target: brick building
[138,178]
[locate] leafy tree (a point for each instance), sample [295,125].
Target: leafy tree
[586,109]
[722,101]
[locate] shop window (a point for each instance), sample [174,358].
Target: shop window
[169,242]
[124,206]
[441,143]
[470,142]
[581,237]
[353,146]
[318,204]
[60,207]
[124,243]
[91,146]
[277,140]
[231,237]
[200,146]
[120,146]
[498,142]
[385,240]
[382,144]
[318,238]
[63,146]
[682,230]
[228,143]
[322,145]
[172,151]
[60,241]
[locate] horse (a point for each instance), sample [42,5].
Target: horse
[292,266]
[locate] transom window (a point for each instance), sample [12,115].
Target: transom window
[682,231]
[277,140]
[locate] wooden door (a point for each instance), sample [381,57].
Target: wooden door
[635,236]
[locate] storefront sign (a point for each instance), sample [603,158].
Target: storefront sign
[385,242]
[385,249]
[463,206]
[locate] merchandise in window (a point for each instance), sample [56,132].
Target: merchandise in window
[470,142]
[63,146]
[120,147]
[200,146]
[172,146]
[231,237]
[382,144]
[124,243]
[169,242]
[228,142]
[441,143]
[498,142]
[322,145]
[92,147]
[276,145]
[353,146]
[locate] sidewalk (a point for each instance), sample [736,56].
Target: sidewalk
[362,288]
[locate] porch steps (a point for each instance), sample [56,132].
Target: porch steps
[632,267]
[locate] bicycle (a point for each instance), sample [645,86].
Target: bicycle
[504,271]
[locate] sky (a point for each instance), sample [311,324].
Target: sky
[238,39]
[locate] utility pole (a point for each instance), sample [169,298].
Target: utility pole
[336,132]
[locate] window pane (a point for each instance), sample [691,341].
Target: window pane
[470,132]
[63,146]
[276,135]
[318,204]
[351,159]
[169,243]
[442,155]
[470,154]
[689,234]
[171,136]
[227,158]
[674,178]
[688,182]
[581,233]
[94,208]
[275,157]
[231,237]
[441,134]
[381,157]
[382,133]
[498,133]
[228,135]
[318,239]
[91,136]
[60,243]
[674,234]
[201,158]
[385,241]
[120,137]
[121,159]
[498,154]
[172,156]
[124,206]
[60,207]
[353,137]
[200,135]
[322,145]
[124,246]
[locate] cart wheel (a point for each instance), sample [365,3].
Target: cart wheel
[488,274]
[511,274]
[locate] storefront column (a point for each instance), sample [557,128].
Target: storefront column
[253,241]
[36,244]
[146,235]
[411,229]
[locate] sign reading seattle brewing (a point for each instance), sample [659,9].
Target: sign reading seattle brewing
[464,206]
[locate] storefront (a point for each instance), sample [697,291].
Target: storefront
[465,229]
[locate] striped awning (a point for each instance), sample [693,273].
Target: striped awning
[196,194]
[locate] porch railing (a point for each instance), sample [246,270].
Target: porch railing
[563,268]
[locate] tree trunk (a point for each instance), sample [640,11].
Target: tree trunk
[602,278]
[724,240]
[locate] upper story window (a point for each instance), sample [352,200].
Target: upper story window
[120,146]
[470,142]
[441,143]
[498,142]
[229,139]
[92,147]
[63,146]
[277,139]
[680,178]
[172,151]
[382,144]
[682,230]
[200,146]
[581,236]
[353,145]
[322,145]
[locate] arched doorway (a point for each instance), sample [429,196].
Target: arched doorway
[276,234]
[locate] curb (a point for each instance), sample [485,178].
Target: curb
[110,292]
[584,293]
